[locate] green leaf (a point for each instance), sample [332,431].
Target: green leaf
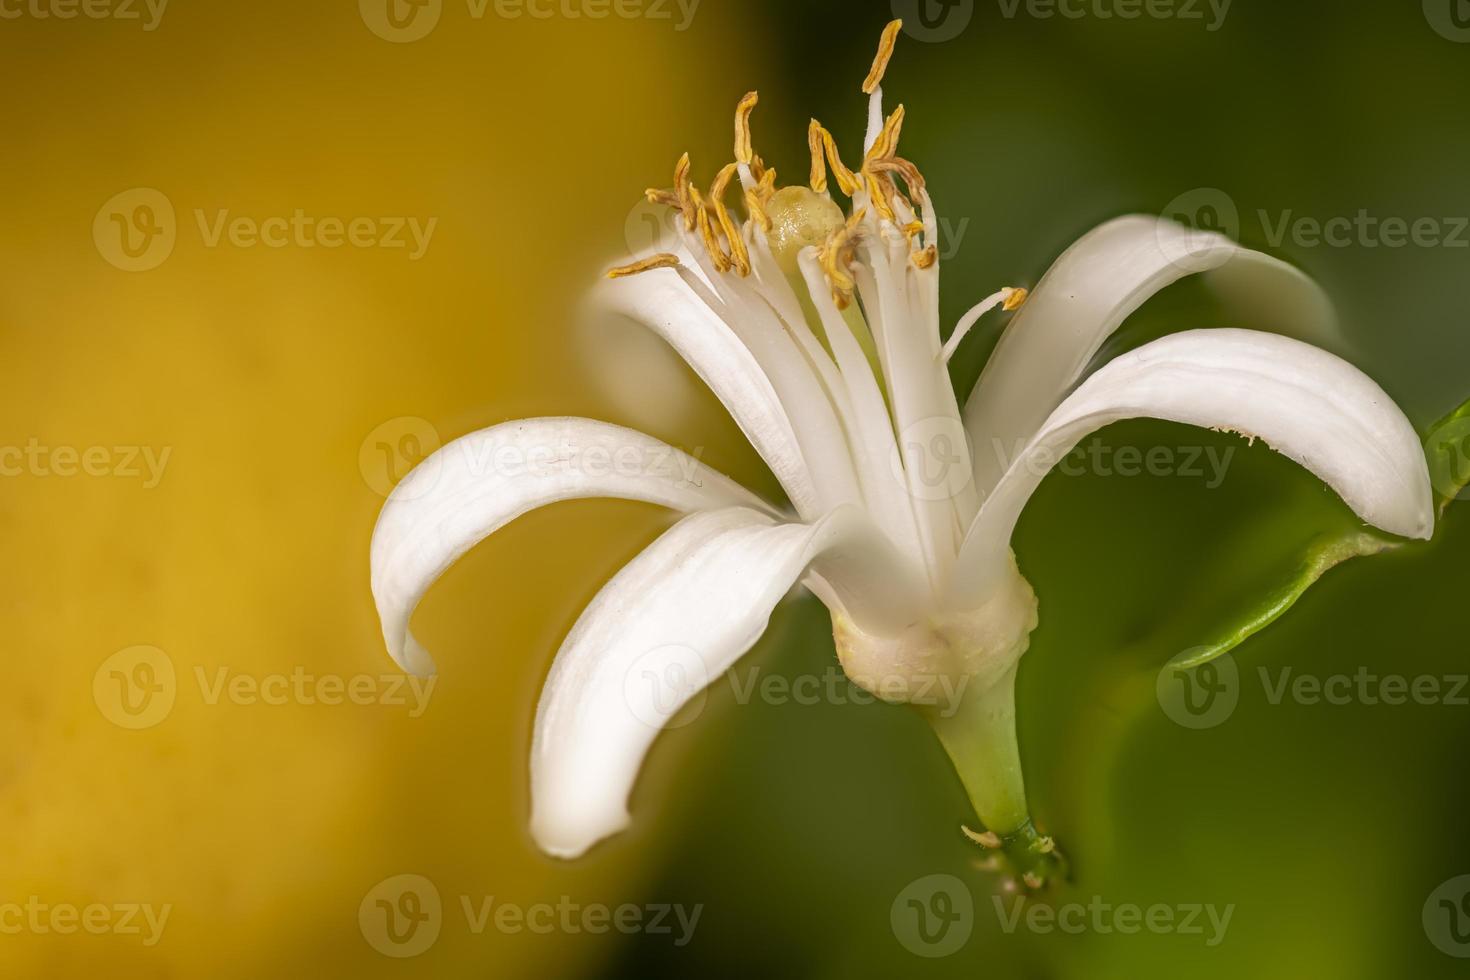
[1447,450]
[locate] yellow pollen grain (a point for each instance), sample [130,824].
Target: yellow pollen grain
[880,61]
[744,152]
[663,260]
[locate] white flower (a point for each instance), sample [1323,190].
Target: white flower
[820,333]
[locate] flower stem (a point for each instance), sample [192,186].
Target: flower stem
[979,733]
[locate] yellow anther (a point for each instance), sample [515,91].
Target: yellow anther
[880,61]
[912,228]
[738,253]
[925,257]
[846,179]
[819,166]
[879,190]
[1015,299]
[887,142]
[663,260]
[707,232]
[682,188]
[835,256]
[903,168]
[722,181]
[744,152]
[757,209]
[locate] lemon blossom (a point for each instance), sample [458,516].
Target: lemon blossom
[819,330]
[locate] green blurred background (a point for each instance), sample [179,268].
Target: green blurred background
[275,375]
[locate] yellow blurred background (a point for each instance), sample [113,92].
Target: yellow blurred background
[196,443]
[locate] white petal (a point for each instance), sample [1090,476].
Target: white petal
[673,620]
[662,301]
[479,483]
[1087,294]
[1305,403]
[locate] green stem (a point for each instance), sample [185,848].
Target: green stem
[980,736]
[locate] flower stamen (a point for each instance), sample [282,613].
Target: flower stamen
[886,45]
[663,260]
[744,151]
